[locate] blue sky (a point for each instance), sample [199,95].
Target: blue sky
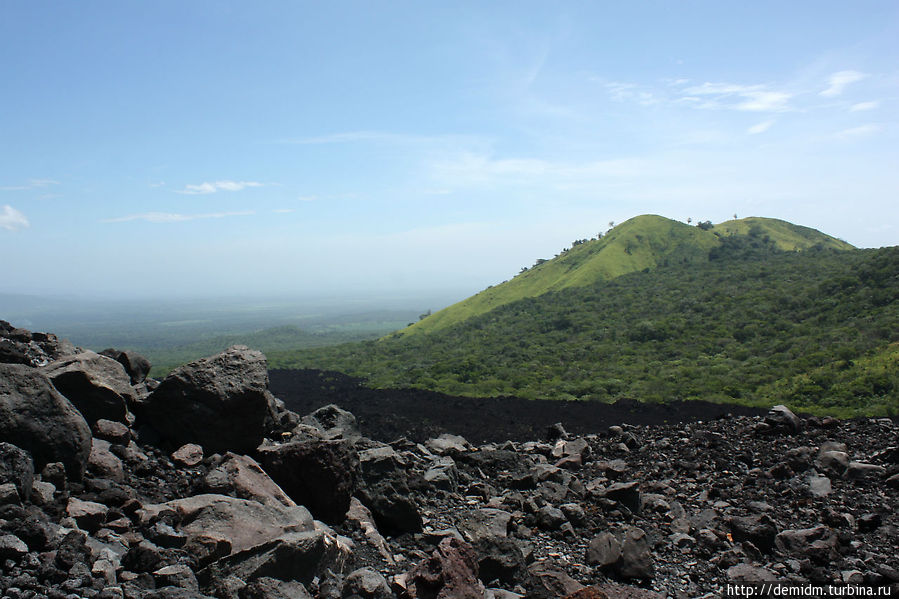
[223,148]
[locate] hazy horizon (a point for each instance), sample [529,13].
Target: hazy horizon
[350,149]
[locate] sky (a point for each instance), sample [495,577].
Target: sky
[169,149]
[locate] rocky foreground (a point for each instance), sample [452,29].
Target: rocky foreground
[204,485]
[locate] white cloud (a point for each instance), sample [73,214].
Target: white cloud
[630,92]
[734,96]
[11,219]
[838,81]
[283,210]
[31,184]
[861,106]
[861,131]
[171,217]
[760,127]
[206,187]
[307,198]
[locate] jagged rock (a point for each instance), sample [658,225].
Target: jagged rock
[362,517]
[321,475]
[241,522]
[365,583]
[749,573]
[819,486]
[861,470]
[9,494]
[221,402]
[42,493]
[451,572]
[37,418]
[17,468]
[89,515]
[241,476]
[112,431]
[603,550]
[176,575]
[188,455]
[96,385]
[443,474]
[817,542]
[12,547]
[613,591]
[833,461]
[143,557]
[627,494]
[547,582]
[103,463]
[334,422]
[447,444]
[272,588]
[137,366]
[758,530]
[18,346]
[636,558]
[292,556]
[781,417]
[393,510]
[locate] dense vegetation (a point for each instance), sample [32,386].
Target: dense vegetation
[646,241]
[752,324]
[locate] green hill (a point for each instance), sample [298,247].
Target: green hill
[752,323]
[643,242]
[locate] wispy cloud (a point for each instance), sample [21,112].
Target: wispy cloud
[172,217]
[760,127]
[12,220]
[862,106]
[350,137]
[207,187]
[283,210]
[751,98]
[630,92]
[861,131]
[307,198]
[31,184]
[838,81]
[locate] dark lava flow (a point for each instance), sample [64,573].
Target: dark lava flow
[389,414]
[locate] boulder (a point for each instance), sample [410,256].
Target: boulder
[37,418]
[188,455]
[781,417]
[451,572]
[320,474]
[96,385]
[297,556]
[17,467]
[365,583]
[604,550]
[636,557]
[103,463]
[137,366]
[241,476]
[334,423]
[241,522]
[547,582]
[221,402]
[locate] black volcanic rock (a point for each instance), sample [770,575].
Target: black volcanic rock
[137,366]
[96,385]
[16,467]
[320,474]
[221,402]
[37,418]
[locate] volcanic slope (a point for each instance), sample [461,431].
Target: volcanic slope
[751,323]
[646,241]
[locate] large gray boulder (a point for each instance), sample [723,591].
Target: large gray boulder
[96,385]
[221,402]
[37,418]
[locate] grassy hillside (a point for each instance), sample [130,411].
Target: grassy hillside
[643,242]
[755,325]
